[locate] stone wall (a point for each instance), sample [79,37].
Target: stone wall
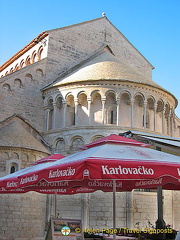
[22,216]
[145,208]
[95,209]
[176,209]
[70,45]
[20,94]
[22,157]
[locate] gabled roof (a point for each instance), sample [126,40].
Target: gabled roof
[106,20]
[46,33]
[16,132]
[102,65]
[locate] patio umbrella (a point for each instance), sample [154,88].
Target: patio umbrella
[113,163]
[51,158]
[14,176]
[131,163]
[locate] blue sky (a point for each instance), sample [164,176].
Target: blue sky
[152,26]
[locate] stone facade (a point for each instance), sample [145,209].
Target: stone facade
[66,88]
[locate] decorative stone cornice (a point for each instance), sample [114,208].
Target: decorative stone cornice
[23,50]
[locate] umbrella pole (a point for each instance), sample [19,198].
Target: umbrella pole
[114,208]
[55,204]
[160,223]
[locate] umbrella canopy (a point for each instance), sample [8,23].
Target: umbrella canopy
[131,163]
[113,163]
[50,158]
[14,176]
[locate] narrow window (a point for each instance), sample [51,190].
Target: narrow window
[112,114]
[13,169]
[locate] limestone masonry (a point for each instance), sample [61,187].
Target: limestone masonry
[69,87]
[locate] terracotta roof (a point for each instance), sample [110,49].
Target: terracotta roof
[23,50]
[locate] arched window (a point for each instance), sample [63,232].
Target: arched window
[34,57]
[11,70]
[16,67]
[82,110]
[150,114]
[138,110]
[22,64]
[96,109]
[125,109]
[39,55]
[13,167]
[111,108]
[28,61]
[159,116]
[12,170]
[70,111]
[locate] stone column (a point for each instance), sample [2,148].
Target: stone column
[89,110]
[163,119]
[47,119]
[75,110]
[172,123]
[103,104]
[169,119]
[64,113]
[160,223]
[155,109]
[54,115]
[118,105]
[132,112]
[145,107]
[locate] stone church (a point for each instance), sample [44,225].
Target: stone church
[66,88]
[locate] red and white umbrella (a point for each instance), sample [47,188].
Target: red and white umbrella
[14,176]
[131,163]
[51,158]
[113,163]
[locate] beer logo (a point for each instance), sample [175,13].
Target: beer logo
[65,231]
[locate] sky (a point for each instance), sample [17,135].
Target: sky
[152,26]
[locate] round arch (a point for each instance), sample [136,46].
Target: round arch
[28,61]
[139,119]
[34,57]
[125,109]
[110,108]
[96,137]
[76,143]
[59,146]
[39,53]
